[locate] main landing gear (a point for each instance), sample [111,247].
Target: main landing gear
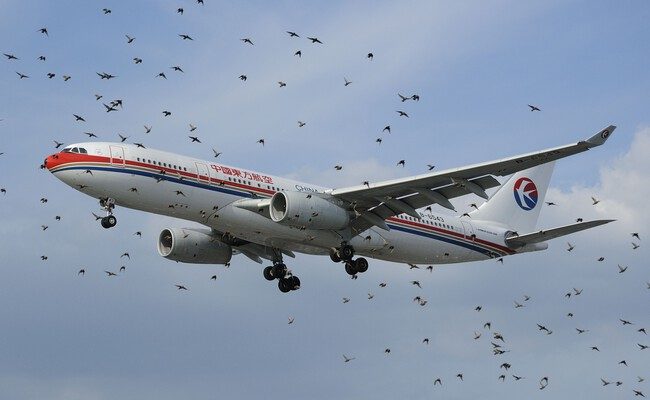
[108,204]
[286,281]
[352,266]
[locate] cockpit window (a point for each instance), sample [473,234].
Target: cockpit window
[75,150]
[82,150]
[66,150]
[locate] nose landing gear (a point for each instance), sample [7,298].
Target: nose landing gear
[108,204]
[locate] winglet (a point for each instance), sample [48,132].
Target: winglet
[601,137]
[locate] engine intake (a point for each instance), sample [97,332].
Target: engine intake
[196,246]
[308,210]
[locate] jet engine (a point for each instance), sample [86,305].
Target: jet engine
[196,246]
[308,210]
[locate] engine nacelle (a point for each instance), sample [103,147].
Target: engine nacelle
[196,246]
[302,209]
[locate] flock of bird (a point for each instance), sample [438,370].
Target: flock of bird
[496,338]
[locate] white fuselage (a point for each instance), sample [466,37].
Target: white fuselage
[203,191]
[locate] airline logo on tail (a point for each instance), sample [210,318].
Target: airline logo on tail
[525,193]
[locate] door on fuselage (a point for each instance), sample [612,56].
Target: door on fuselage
[202,173]
[468,231]
[117,156]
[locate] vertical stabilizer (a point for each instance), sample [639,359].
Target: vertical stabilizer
[517,203]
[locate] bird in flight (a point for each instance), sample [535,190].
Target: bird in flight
[570,247]
[10,56]
[402,113]
[44,31]
[314,40]
[348,359]
[247,40]
[534,108]
[594,200]
[22,76]
[261,141]
[129,39]
[401,162]
[370,56]
[347,82]
[180,287]
[293,34]
[301,124]
[543,383]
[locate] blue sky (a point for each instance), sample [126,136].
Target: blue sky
[475,65]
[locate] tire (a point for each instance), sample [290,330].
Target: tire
[334,256]
[268,273]
[346,252]
[111,221]
[104,222]
[279,271]
[349,268]
[294,283]
[283,286]
[361,264]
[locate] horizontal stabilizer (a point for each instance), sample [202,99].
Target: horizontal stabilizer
[516,241]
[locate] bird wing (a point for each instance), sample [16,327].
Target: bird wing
[380,200]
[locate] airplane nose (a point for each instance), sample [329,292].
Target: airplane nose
[51,162]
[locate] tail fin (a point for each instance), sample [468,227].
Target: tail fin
[517,203]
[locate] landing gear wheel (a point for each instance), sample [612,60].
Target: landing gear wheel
[334,256]
[294,283]
[346,252]
[279,271]
[284,285]
[109,222]
[361,264]
[350,268]
[268,273]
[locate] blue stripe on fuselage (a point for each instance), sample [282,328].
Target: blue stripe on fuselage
[165,177]
[446,239]
[244,193]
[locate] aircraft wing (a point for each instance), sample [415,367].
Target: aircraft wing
[517,241]
[380,200]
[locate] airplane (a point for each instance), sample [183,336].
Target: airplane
[266,217]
